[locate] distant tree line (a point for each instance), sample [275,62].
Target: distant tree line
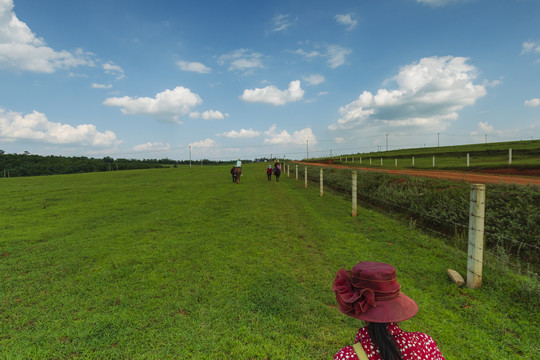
[26,164]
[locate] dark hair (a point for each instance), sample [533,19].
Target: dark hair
[385,342]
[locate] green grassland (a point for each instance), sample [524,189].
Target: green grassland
[180,263]
[525,155]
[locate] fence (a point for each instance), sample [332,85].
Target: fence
[447,215]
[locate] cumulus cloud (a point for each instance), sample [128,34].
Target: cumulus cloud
[113,69]
[281,22]
[530,46]
[208,143]
[484,130]
[101,86]
[273,136]
[208,115]
[439,2]
[532,102]
[37,127]
[274,96]
[347,20]
[149,147]
[314,79]
[193,67]
[429,93]
[335,55]
[21,49]
[168,105]
[241,60]
[243,133]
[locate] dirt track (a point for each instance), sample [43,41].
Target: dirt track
[470,177]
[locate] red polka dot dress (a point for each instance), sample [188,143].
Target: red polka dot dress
[413,345]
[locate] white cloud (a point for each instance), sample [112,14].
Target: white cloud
[113,69]
[283,137]
[241,60]
[339,140]
[168,105]
[101,86]
[149,147]
[485,131]
[193,67]
[243,133]
[274,96]
[21,49]
[530,46]
[532,102]
[212,115]
[347,20]
[314,79]
[37,127]
[428,94]
[208,143]
[335,55]
[439,2]
[281,22]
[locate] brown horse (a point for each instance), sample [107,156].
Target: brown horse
[237,174]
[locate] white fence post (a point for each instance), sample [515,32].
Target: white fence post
[476,236]
[413,161]
[369,161]
[321,185]
[360,160]
[510,156]
[296,172]
[305,177]
[354,192]
[468,160]
[288,170]
[396,162]
[434,161]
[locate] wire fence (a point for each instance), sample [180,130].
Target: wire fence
[441,207]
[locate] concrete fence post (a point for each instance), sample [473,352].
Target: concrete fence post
[354,192]
[396,162]
[381,162]
[468,158]
[476,235]
[413,161]
[510,156]
[321,185]
[296,172]
[305,177]
[288,170]
[434,161]
[360,160]
[369,161]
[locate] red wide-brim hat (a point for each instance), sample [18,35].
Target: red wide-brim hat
[370,292]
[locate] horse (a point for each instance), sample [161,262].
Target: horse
[237,174]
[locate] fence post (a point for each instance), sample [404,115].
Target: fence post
[510,156]
[434,161]
[321,186]
[369,161]
[360,160]
[467,159]
[476,235]
[354,192]
[381,162]
[305,177]
[413,161]
[296,172]
[396,162]
[288,170]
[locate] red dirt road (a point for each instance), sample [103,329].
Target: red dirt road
[470,177]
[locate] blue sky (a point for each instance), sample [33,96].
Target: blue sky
[141,79]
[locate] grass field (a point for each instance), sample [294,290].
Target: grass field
[525,155]
[181,263]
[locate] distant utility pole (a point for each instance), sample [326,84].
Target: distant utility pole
[486,138]
[189,155]
[437,139]
[386,142]
[307,148]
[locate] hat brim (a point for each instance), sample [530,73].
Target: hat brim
[399,309]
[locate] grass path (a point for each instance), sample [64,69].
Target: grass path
[181,263]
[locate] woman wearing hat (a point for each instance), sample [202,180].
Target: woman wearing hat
[370,292]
